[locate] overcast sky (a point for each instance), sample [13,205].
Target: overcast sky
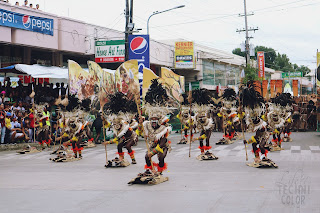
[288,26]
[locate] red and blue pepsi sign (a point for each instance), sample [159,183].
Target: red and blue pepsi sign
[26,22]
[139,49]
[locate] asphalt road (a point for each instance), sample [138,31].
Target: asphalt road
[32,183]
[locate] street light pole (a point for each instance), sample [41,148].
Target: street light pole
[158,12]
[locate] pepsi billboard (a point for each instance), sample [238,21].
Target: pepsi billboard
[26,22]
[139,49]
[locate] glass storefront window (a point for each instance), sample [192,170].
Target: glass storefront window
[208,73]
[215,73]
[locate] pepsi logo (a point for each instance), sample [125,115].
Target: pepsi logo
[138,45]
[26,21]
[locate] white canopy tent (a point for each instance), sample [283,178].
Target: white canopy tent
[55,74]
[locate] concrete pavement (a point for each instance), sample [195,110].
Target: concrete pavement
[31,183]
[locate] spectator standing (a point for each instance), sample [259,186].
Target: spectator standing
[2,123]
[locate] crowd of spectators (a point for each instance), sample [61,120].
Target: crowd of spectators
[26,4]
[16,115]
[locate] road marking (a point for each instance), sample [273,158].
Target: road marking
[285,152]
[238,148]
[315,148]
[223,152]
[295,148]
[221,147]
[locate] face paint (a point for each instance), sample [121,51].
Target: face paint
[154,123]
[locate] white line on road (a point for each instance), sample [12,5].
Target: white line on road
[295,148]
[315,148]
[221,147]
[238,148]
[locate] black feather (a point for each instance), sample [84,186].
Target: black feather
[201,96]
[156,94]
[229,94]
[119,102]
[249,97]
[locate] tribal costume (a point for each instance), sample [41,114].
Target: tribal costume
[276,120]
[156,131]
[287,116]
[120,109]
[254,107]
[187,121]
[229,115]
[203,123]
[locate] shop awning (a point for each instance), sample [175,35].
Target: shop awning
[37,71]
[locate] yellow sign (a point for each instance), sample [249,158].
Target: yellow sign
[184,55]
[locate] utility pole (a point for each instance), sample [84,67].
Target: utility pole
[126,32]
[247,46]
[129,26]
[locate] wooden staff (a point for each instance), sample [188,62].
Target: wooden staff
[242,128]
[141,124]
[104,140]
[191,121]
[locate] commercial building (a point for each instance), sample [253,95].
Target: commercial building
[50,40]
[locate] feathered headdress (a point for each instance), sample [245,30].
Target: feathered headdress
[201,97]
[251,100]
[119,105]
[156,94]
[156,100]
[229,94]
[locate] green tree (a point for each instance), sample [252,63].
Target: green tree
[269,54]
[304,69]
[237,51]
[282,62]
[251,74]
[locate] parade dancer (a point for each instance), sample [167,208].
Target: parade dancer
[120,109]
[276,122]
[156,131]
[253,105]
[187,121]
[287,116]
[228,112]
[203,123]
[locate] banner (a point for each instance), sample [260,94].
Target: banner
[318,87]
[126,79]
[278,86]
[103,84]
[264,88]
[109,51]
[261,63]
[295,88]
[172,82]
[26,22]
[80,83]
[272,88]
[148,76]
[184,55]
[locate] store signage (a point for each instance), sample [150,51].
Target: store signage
[291,74]
[26,22]
[139,49]
[183,55]
[260,56]
[109,51]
